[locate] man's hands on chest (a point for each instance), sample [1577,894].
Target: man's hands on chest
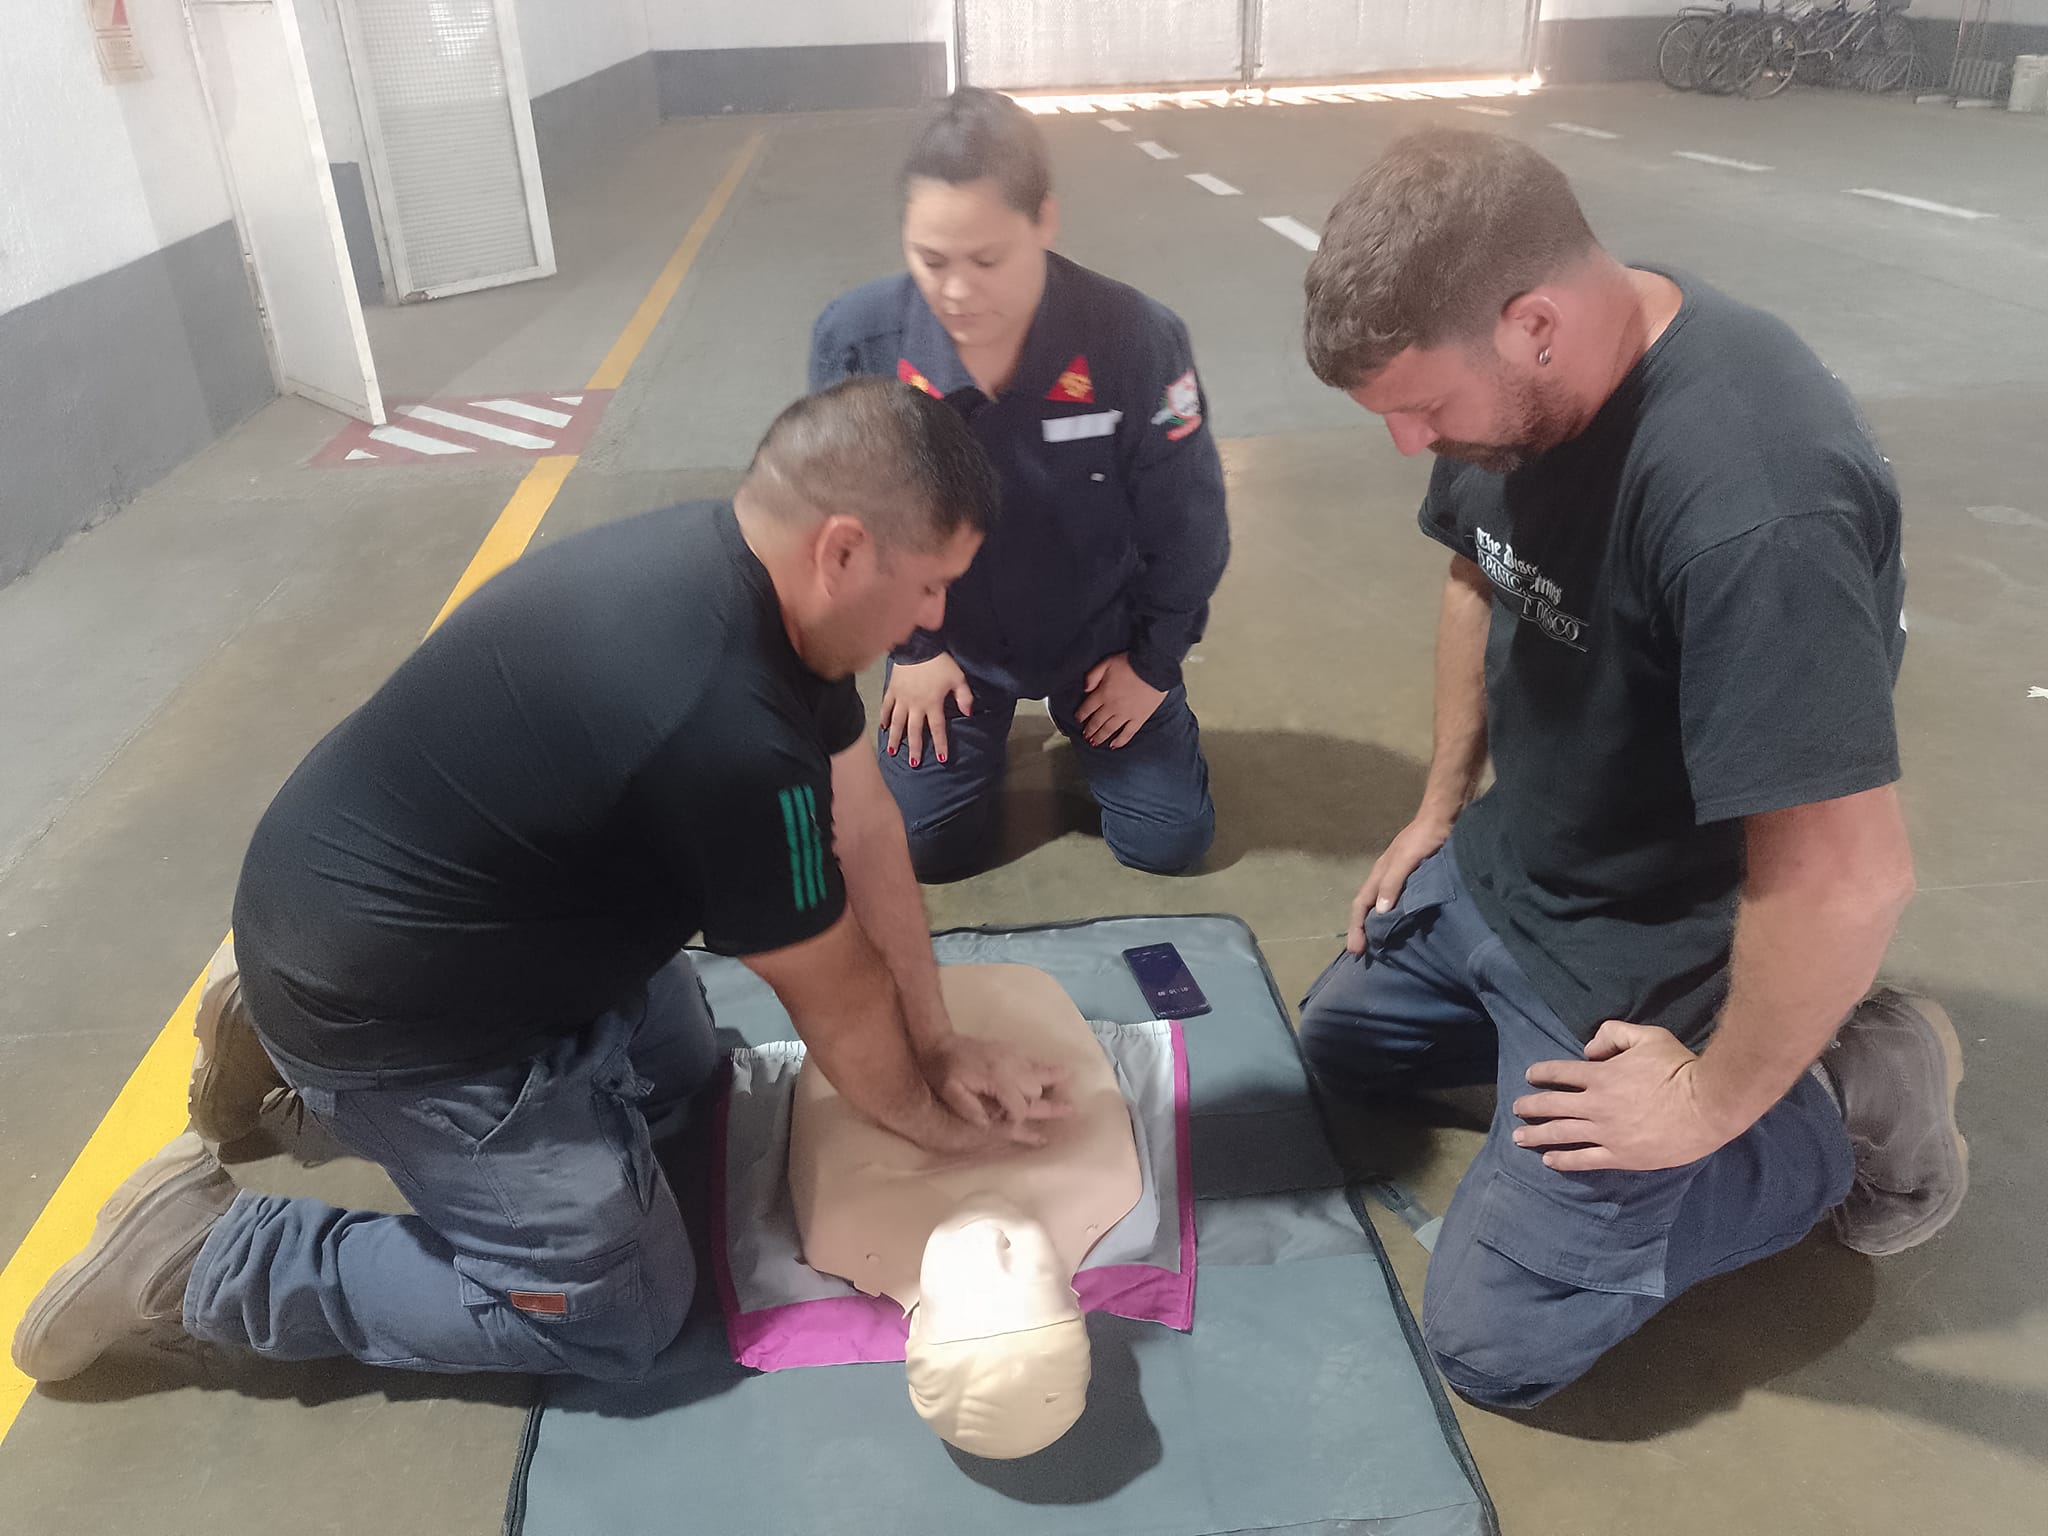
[1634,1102]
[1117,703]
[993,1086]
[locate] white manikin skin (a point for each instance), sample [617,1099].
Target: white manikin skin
[867,1200]
[998,1356]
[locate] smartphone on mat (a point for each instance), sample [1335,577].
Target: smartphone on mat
[1165,980]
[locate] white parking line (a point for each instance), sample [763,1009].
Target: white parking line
[539,413]
[1214,184]
[418,442]
[1584,132]
[1705,159]
[1158,151]
[1295,230]
[1919,202]
[1473,106]
[1116,125]
[475,428]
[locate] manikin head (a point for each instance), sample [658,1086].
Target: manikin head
[978,218]
[1459,295]
[998,1352]
[865,502]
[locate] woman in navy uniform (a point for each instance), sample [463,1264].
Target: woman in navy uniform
[1096,582]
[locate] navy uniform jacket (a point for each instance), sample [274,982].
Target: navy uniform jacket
[1112,535]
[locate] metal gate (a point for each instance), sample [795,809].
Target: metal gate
[1356,39]
[449,127]
[1089,44]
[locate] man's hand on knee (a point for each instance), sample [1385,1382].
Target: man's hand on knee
[1634,1102]
[1390,871]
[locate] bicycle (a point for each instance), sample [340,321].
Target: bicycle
[1678,46]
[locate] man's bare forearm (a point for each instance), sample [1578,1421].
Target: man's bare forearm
[1459,752]
[860,1046]
[1822,897]
[882,890]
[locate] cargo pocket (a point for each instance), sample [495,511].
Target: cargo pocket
[1584,1243]
[554,1292]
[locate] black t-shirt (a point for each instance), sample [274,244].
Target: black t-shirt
[1697,617]
[611,746]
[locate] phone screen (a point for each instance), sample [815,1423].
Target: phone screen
[1165,980]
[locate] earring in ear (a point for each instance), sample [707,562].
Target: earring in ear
[1543,358]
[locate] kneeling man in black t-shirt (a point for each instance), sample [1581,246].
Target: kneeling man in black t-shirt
[458,926]
[1673,620]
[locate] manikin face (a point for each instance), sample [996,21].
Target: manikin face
[876,597]
[1469,404]
[997,1358]
[990,1269]
[979,263]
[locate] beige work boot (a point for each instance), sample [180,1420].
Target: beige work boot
[128,1283]
[1895,1066]
[232,1075]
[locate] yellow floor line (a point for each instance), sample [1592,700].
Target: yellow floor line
[513,530]
[150,1108]
[611,373]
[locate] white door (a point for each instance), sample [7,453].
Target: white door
[261,99]
[1357,39]
[442,88]
[1019,44]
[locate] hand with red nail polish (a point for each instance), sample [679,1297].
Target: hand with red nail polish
[914,704]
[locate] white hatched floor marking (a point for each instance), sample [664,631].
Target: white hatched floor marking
[490,429]
[520,408]
[1473,106]
[1158,151]
[1295,230]
[1919,202]
[1733,165]
[1584,132]
[398,437]
[1214,184]
[1116,125]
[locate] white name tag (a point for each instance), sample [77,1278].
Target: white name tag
[1071,429]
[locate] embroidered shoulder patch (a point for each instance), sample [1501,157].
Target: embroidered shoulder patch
[1180,407]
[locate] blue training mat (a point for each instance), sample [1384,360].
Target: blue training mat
[1301,1401]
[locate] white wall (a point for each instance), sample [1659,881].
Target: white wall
[94,175]
[795,23]
[2026,13]
[565,40]
[341,120]
[1580,10]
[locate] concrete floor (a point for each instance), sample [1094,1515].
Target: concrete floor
[168,669]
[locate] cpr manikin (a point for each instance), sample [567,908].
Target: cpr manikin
[980,1252]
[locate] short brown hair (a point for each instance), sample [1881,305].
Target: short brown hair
[903,463]
[1430,244]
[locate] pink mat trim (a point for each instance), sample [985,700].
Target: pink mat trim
[846,1330]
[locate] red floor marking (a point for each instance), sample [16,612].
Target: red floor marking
[465,428]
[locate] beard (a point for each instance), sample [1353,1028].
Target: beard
[1535,418]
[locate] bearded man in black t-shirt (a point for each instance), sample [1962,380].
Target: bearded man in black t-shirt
[1673,620]
[458,925]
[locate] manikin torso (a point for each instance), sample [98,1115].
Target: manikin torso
[867,1201]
